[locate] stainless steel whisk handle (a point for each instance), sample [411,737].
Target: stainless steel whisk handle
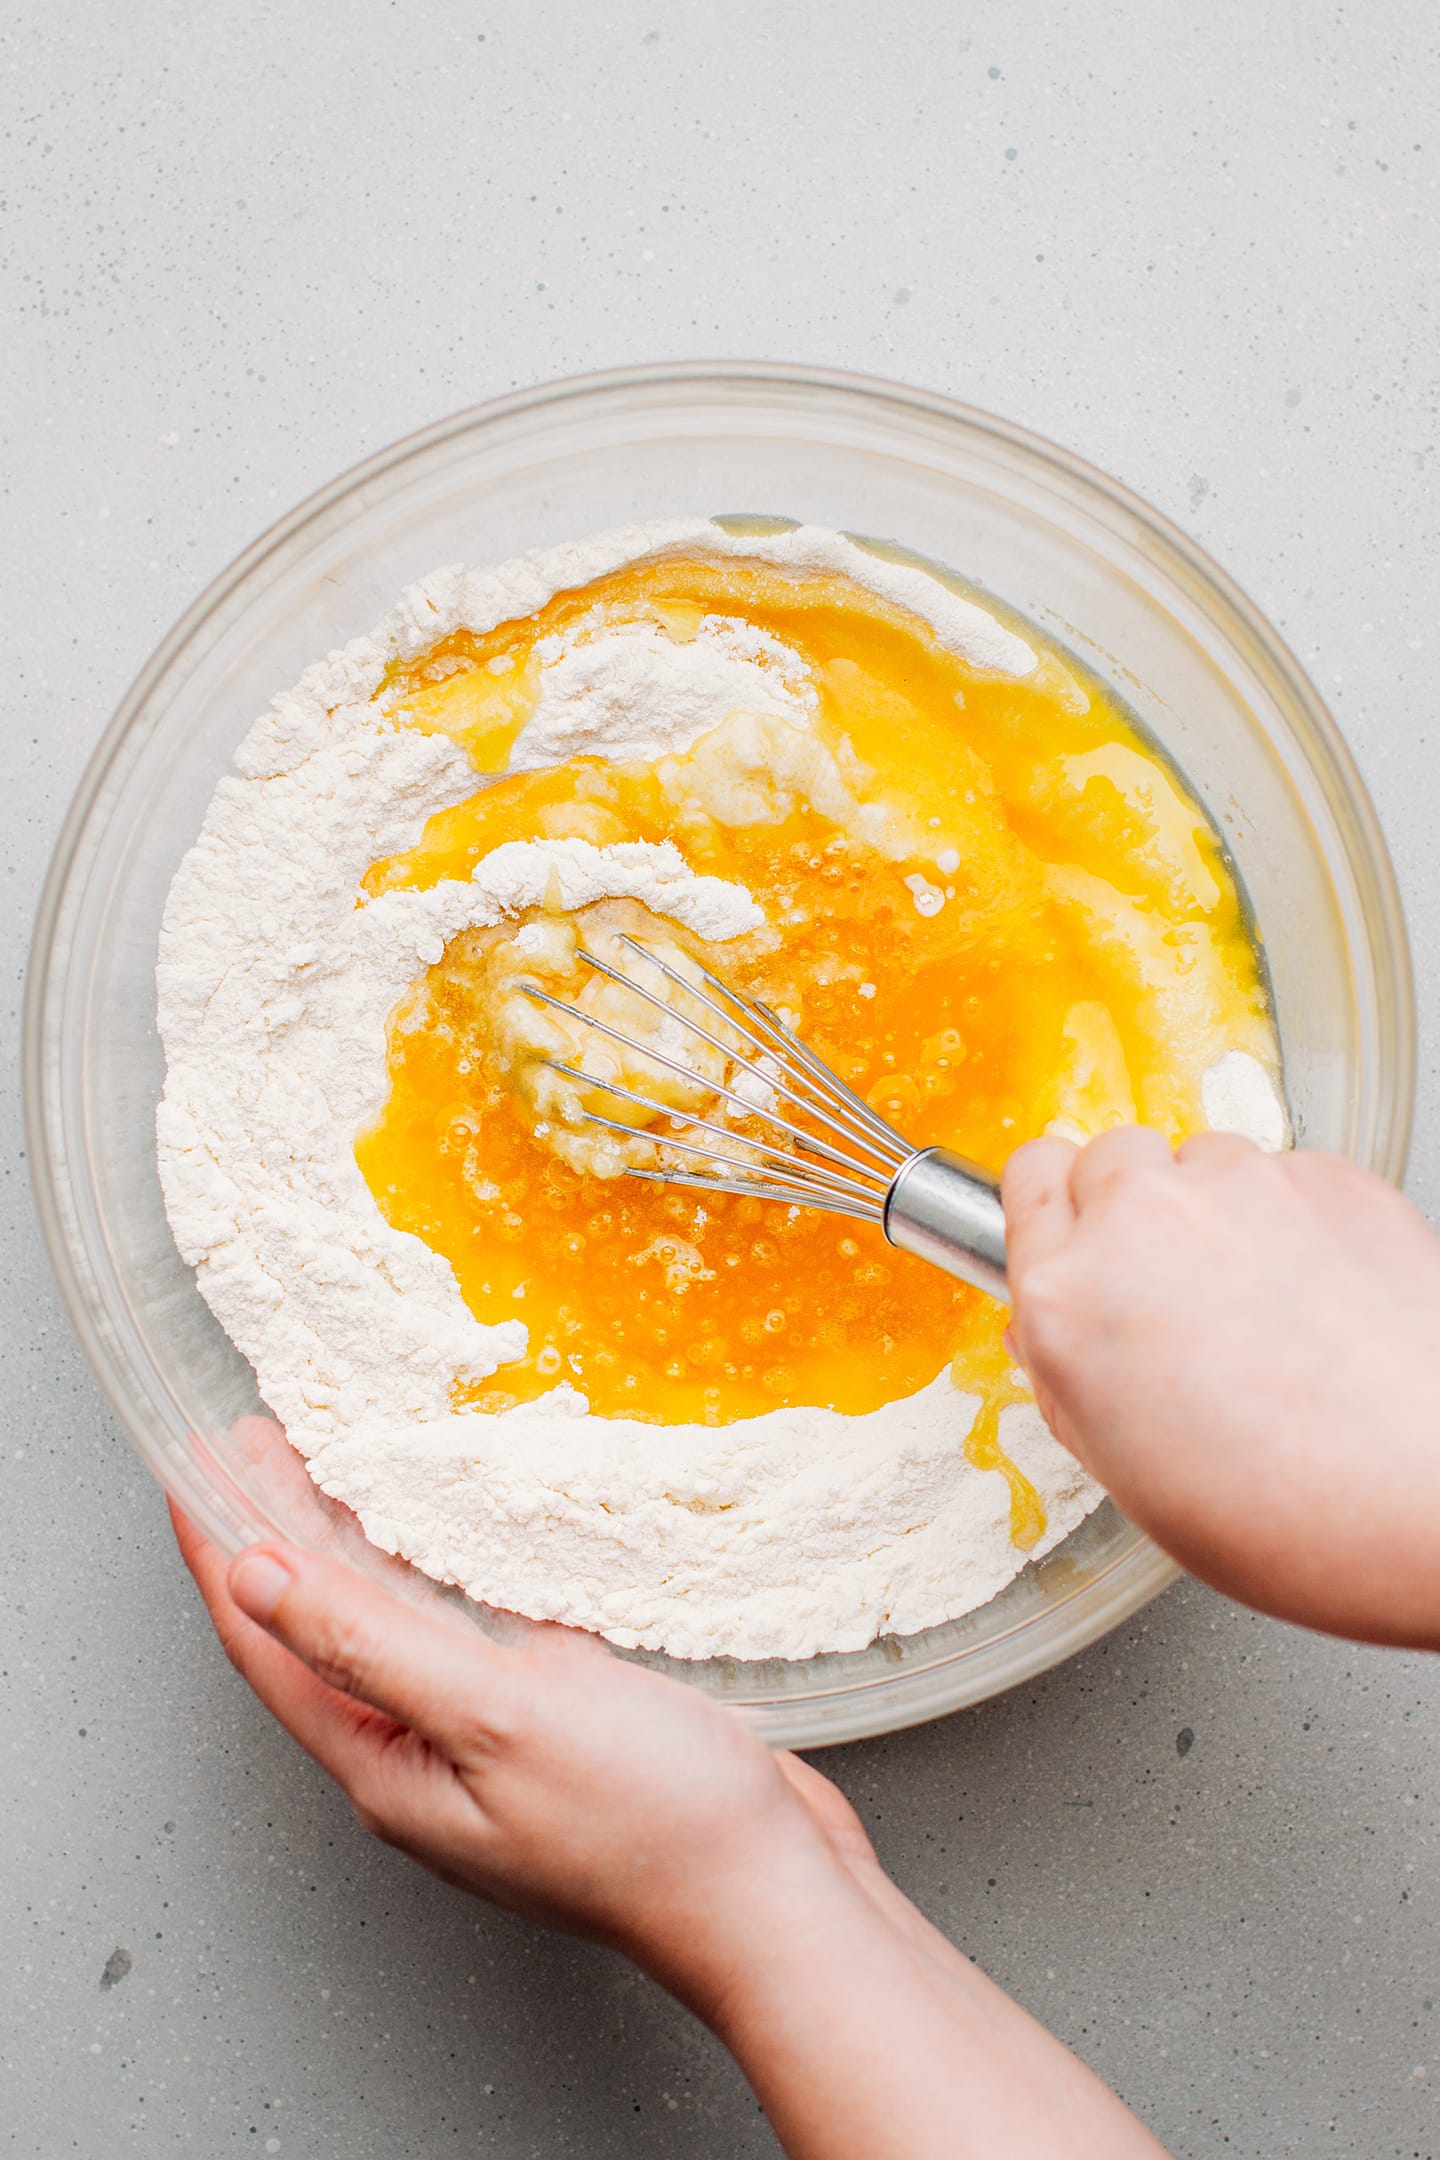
[948,1212]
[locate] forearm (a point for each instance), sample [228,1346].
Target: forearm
[867,2036]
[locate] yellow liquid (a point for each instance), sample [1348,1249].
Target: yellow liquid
[1085,959]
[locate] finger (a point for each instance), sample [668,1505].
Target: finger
[210,1568]
[1098,1168]
[401,1787]
[1215,1150]
[1039,1209]
[455,1689]
[343,1736]
[280,1478]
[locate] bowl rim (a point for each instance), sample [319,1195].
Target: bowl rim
[895,1699]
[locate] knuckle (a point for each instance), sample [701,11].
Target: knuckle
[508,1723]
[1135,1194]
[1120,1144]
[1045,1312]
[1141,1177]
[1122,1159]
[1223,1146]
[1313,1171]
[1161,1194]
[339,1653]
[372,1799]
[1034,1170]
[508,1719]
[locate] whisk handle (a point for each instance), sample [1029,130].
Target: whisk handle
[947,1211]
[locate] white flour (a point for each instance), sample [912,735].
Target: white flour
[622,693]
[1239,1098]
[778,1536]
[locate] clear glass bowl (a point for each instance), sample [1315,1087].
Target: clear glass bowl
[1069,548]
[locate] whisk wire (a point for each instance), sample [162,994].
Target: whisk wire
[927,1201]
[804,1195]
[818,1078]
[790,1165]
[783,1166]
[687,1072]
[882,1135]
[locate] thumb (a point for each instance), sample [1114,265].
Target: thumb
[451,1686]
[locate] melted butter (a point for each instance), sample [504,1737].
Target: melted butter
[483,708]
[581,1053]
[990,906]
[985,1368]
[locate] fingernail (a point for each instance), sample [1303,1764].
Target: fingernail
[258,1581]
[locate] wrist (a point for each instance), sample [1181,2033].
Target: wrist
[770,1927]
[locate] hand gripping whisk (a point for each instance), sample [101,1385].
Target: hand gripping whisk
[825,1148]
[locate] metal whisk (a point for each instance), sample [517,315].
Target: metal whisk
[843,1158]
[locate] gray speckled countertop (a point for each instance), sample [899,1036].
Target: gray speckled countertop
[243,246]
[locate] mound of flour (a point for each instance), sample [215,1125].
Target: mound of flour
[782,1535]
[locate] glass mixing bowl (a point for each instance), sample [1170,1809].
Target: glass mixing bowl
[1080,556]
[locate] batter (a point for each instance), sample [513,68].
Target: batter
[693,1422]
